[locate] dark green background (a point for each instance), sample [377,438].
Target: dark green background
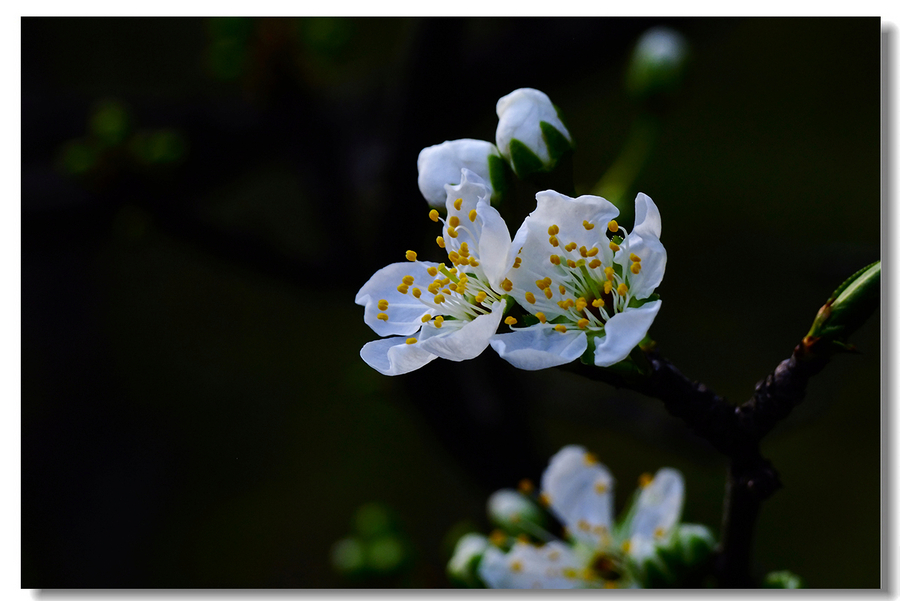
[194,409]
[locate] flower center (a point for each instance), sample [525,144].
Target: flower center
[582,288]
[461,291]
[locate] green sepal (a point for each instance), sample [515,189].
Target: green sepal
[499,174]
[655,574]
[640,302]
[557,144]
[525,163]
[783,579]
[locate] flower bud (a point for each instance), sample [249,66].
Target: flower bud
[783,579]
[530,133]
[462,568]
[850,305]
[657,63]
[442,164]
[514,512]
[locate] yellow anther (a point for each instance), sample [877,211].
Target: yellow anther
[540,284]
[645,479]
[548,293]
[554,259]
[548,281]
[410,255]
[416,292]
[610,584]
[438,321]
[433,215]
[613,226]
[580,304]
[610,273]
[517,262]
[562,289]
[464,249]
[583,323]
[554,241]
[607,287]
[626,546]
[570,573]
[622,290]
[560,328]
[613,246]
[595,263]
[457,204]
[562,304]
[553,230]
[453,221]
[587,225]
[451,231]
[463,260]
[584,525]
[570,263]
[600,488]
[579,263]
[635,258]
[541,317]
[402,288]
[659,532]
[408,280]
[453,287]
[553,555]
[571,246]
[382,316]
[522,538]
[440,241]
[593,252]
[583,251]
[515,566]
[473,263]
[506,285]
[526,486]
[472,215]
[411,341]
[446,291]
[480,296]
[432,271]
[591,459]
[598,303]
[635,268]
[529,296]
[438,299]
[510,321]
[453,256]
[382,305]
[426,318]
[433,287]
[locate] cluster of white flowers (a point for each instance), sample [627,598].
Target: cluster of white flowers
[598,552]
[586,283]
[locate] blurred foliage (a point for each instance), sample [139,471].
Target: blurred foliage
[197,216]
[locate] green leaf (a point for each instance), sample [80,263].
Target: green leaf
[524,162]
[850,306]
[498,171]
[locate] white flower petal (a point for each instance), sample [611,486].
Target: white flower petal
[493,244]
[647,222]
[441,164]
[552,566]
[623,332]
[393,357]
[580,492]
[653,264]
[657,511]
[404,311]
[539,347]
[471,190]
[520,113]
[459,340]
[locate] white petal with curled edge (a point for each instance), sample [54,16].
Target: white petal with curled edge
[471,190]
[653,265]
[393,357]
[528,567]
[580,493]
[404,310]
[493,244]
[539,347]
[440,164]
[623,332]
[658,510]
[647,221]
[460,340]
